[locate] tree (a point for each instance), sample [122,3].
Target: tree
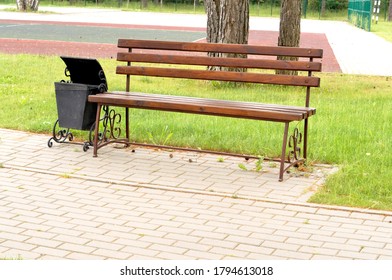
[290,25]
[323,7]
[390,11]
[27,5]
[227,22]
[143,4]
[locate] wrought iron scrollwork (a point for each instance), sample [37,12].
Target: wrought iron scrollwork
[294,145]
[67,73]
[111,128]
[111,124]
[91,137]
[59,135]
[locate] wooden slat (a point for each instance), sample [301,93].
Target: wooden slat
[224,62]
[220,76]
[220,102]
[245,104]
[222,108]
[220,48]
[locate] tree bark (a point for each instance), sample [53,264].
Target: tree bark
[228,23]
[144,4]
[27,5]
[234,22]
[323,7]
[212,8]
[33,4]
[390,11]
[21,5]
[290,27]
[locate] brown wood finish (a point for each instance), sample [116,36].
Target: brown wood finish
[225,62]
[189,61]
[220,48]
[228,76]
[207,107]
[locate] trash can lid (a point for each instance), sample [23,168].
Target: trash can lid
[84,70]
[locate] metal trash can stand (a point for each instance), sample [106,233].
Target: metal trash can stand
[74,111]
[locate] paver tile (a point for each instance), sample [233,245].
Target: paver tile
[131,250]
[71,247]
[89,216]
[360,255]
[278,245]
[12,237]
[49,251]
[317,250]
[364,243]
[194,254]
[110,254]
[82,256]
[170,256]
[292,254]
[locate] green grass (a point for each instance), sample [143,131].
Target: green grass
[17,11]
[352,127]
[18,258]
[383,29]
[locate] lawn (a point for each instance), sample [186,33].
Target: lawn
[383,29]
[352,127]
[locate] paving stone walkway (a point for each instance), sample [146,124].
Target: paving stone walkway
[61,203]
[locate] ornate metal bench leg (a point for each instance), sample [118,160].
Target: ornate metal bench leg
[60,136]
[283,155]
[294,155]
[305,146]
[111,128]
[127,124]
[96,130]
[295,141]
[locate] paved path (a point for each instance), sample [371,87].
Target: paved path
[61,203]
[357,51]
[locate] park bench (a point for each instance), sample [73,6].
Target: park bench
[190,61]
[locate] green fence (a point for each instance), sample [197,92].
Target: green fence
[360,13]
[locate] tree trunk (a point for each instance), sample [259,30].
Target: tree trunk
[323,7]
[228,23]
[213,14]
[390,11]
[21,5]
[33,4]
[234,22]
[290,27]
[144,4]
[27,5]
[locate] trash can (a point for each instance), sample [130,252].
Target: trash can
[86,77]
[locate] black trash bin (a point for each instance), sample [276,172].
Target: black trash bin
[86,77]
[73,109]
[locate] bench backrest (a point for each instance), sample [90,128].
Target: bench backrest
[196,54]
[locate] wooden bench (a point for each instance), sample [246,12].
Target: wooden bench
[157,58]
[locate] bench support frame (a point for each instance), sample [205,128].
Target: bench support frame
[111,133]
[153,58]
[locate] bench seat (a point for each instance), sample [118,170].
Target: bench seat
[186,104]
[238,63]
